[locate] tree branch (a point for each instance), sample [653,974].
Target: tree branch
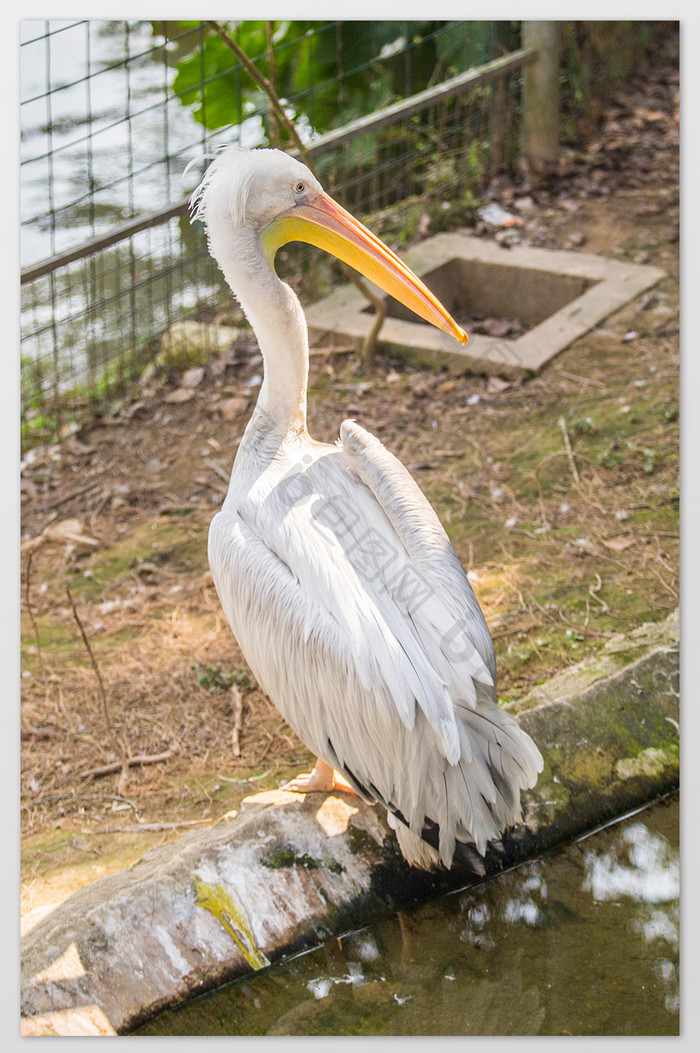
[277,110]
[274,124]
[123,763]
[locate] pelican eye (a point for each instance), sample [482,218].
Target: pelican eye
[300,188]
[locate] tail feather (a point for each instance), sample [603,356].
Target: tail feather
[475,800]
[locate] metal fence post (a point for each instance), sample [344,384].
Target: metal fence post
[540,130]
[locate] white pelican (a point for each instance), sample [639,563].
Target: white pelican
[337,578]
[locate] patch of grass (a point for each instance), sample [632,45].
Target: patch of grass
[212,679]
[168,542]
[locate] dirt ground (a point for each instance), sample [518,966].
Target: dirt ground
[564,547]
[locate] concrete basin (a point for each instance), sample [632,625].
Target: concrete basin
[557,296]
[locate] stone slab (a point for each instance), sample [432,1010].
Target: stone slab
[291,870]
[607,286]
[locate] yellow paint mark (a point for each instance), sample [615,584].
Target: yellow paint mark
[333,816]
[222,905]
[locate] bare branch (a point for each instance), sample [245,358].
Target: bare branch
[237,705]
[131,762]
[35,627]
[111,734]
[274,124]
[265,85]
[277,110]
[569,451]
[146,828]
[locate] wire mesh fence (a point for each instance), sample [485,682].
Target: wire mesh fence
[110,260]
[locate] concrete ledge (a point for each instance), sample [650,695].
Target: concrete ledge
[560,294]
[290,871]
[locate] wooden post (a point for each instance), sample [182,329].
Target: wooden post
[500,126]
[540,136]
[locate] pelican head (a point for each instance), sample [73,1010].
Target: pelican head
[274,198]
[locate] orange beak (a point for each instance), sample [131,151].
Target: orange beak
[328,225]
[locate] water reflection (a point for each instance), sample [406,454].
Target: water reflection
[639,864]
[583,942]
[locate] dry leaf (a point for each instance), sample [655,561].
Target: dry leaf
[179,395]
[231,408]
[66,530]
[650,115]
[496,384]
[192,377]
[618,544]
[424,225]
[420,389]
[77,448]
[69,530]
[581,545]
[497,216]
[495,326]
[446,385]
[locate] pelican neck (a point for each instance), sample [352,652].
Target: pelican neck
[279,324]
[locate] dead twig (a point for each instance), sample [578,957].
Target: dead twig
[666,585]
[35,627]
[74,796]
[145,828]
[221,472]
[593,592]
[69,497]
[274,125]
[569,451]
[266,748]
[27,731]
[581,629]
[581,380]
[131,762]
[237,705]
[111,734]
[543,511]
[588,613]
[578,628]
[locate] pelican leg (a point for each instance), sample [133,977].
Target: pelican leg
[321,780]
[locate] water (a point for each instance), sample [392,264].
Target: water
[112,140]
[108,142]
[583,941]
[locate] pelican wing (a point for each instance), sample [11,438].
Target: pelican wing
[345,692]
[356,646]
[498,758]
[452,625]
[323,527]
